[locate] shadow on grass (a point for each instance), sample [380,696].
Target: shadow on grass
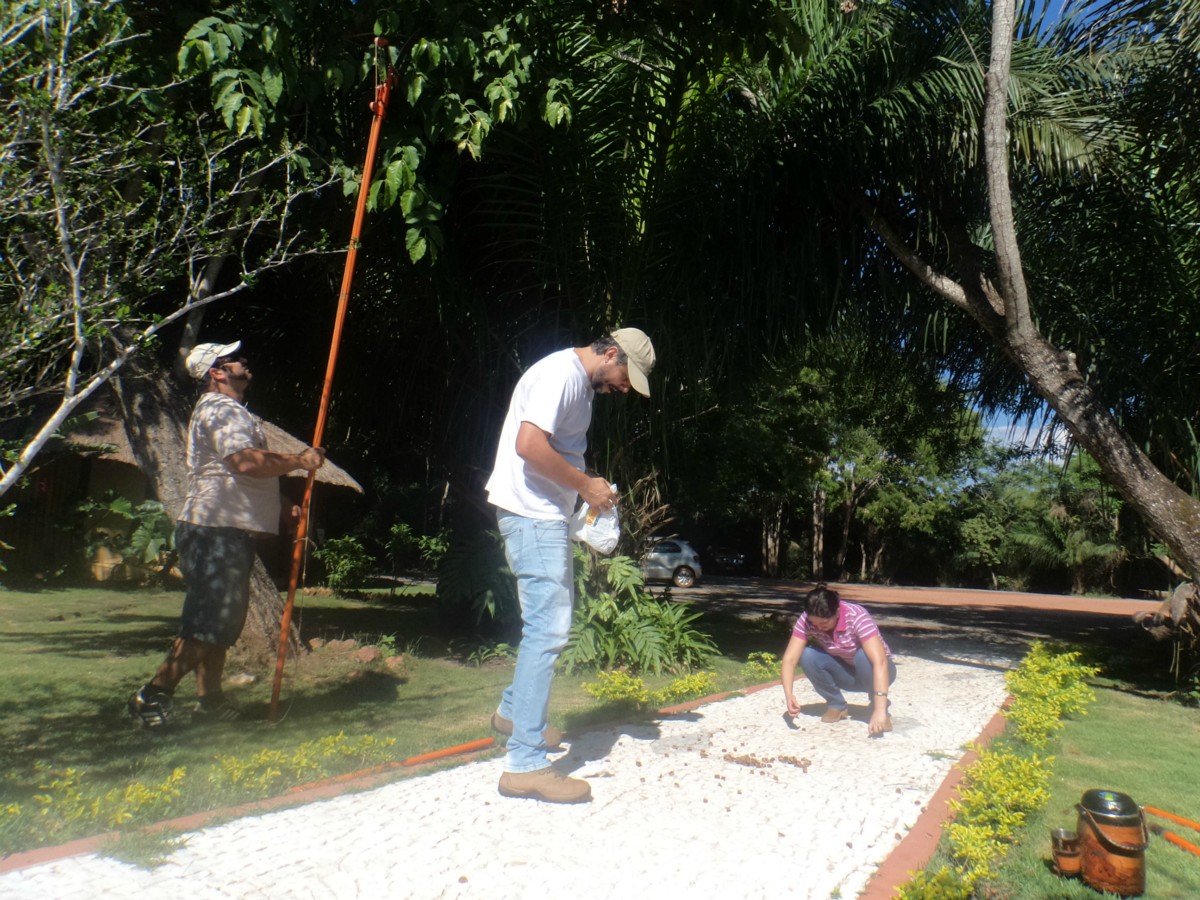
[124,635]
[56,728]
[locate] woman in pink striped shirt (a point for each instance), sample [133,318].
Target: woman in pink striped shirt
[839,647]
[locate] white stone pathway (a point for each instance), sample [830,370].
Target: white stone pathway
[728,801]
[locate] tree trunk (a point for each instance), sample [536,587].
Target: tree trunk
[1002,309]
[156,413]
[848,507]
[818,534]
[772,540]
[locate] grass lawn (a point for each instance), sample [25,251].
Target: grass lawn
[1145,748]
[70,658]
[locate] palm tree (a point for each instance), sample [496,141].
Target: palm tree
[941,156]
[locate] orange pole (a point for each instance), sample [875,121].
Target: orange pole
[481,744]
[379,109]
[1172,838]
[1178,820]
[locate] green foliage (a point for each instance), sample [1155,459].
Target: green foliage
[475,584]
[67,806]
[762,666]
[461,76]
[1009,782]
[622,687]
[387,645]
[5,511]
[943,883]
[689,687]
[143,535]
[404,542]
[268,771]
[116,188]
[347,563]
[619,625]
[982,826]
[1076,528]
[481,653]
[846,416]
[1048,685]
[619,686]
[1025,521]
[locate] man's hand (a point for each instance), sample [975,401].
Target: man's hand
[598,494]
[259,463]
[312,458]
[290,516]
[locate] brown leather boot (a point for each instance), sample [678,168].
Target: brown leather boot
[547,784]
[834,714]
[552,736]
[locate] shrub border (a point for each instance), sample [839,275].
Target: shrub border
[916,848]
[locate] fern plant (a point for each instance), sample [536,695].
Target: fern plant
[619,625]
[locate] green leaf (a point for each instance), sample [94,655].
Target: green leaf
[398,178]
[415,244]
[272,80]
[416,84]
[236,34]
[204,26]
[221,45]
[244,117]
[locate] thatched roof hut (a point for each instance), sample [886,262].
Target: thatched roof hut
[94,459]
[103,436]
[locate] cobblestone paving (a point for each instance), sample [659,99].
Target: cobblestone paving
[731,800]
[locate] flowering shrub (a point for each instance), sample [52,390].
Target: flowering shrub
[622,687]
[1006,784]
[269,770]
[64,808]
[761,667]
[1046,687]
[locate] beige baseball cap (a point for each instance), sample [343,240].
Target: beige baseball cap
[202,356]
[640,352]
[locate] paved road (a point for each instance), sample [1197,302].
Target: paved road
[926,621]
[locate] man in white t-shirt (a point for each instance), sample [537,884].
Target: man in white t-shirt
[538,476]
[233,498]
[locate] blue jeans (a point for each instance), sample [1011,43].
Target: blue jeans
[539,554]
[830,675]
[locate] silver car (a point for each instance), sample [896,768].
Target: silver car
[672,560]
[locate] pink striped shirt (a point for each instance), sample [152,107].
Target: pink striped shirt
[854,627]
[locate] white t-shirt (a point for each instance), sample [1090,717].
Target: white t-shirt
[556,396]
[217,496]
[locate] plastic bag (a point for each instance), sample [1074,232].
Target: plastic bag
[600,530]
